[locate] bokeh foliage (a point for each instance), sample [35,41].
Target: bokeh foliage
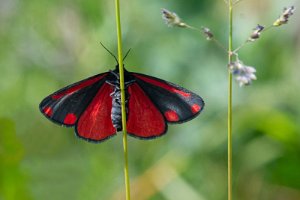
[45,45]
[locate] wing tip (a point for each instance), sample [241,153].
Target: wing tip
[53,120]
[192,116]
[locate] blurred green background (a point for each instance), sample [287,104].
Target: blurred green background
[45,45]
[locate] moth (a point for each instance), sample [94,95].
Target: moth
[93,105]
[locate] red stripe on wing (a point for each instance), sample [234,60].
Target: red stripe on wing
[144,119]
[95,122]
[162,85]
[73,88]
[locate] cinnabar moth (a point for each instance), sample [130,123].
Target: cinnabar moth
[93,105]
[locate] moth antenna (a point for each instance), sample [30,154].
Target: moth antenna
[110,52]
[127,54]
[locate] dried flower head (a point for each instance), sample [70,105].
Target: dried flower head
[256,33]
[284,17]
[172,19]
[244,75]
[206,31]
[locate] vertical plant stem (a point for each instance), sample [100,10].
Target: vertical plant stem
[123,109]
[230,104]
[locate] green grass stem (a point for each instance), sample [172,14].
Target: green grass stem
[122,87]
[230,6]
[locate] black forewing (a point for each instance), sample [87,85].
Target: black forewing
[175,102]
[67,104]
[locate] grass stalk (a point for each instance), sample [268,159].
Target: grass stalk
[122,87]
[230,6]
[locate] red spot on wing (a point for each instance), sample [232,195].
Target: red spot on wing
[163,85]
[48,111]
[144,119]
[171,116]
[195,108]
[95,122]
[70,119]
[77,87]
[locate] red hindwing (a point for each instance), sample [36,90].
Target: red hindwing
[95,122]
[144,118]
